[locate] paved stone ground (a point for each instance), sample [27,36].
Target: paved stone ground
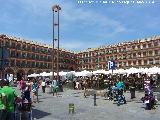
[56,108]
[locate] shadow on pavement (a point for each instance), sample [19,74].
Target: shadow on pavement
[39,114]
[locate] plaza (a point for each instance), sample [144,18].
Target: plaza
[57,108]
[89,53]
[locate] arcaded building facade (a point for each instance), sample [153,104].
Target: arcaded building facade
[137,53]
[27,57]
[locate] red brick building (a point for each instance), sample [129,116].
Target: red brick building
[137,53]
[26,57]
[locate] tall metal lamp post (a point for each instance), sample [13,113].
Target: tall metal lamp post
[55,9]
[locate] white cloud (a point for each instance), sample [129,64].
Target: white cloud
[78,45]
[98,23]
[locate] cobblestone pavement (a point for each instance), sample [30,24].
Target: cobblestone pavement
[56,108]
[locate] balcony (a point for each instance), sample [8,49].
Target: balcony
[7,44]
[19,47]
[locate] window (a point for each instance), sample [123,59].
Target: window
[139,62]
[149,45]
[33,49]
[13,54]
[138,46]
[139,54]
[133,47]
[28,64]
[12,63]
[13,45]
[24,47]
[151,61]
[18,55]
[150,53]
[28,55]
[33,64]
[23,64]
[129,63]
[19,46]
[156,60]
[144,45]
[37,64]
[23,55]
[103,58]
[145,62]
[134,62]
[155,44]
[129,56]
[18,63]
[124,56]
[33,56]
[134,55]
[29,48]
[37,57]
[144,54]
[7,44]
[156,52]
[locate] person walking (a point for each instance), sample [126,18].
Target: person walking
[9,105]
[43,84]
[21,83]
[120,87]
[26,91]
[35,90]
[54,86]
[85,84]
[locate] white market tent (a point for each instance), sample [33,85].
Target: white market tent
[33,75]
[62,73]
[83,73]
[100,72]
[44,74]
[153,70]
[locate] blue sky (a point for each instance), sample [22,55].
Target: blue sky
[82,26]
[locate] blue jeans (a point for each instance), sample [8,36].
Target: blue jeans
[26,95]
[4,115]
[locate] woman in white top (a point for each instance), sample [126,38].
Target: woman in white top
[43,84]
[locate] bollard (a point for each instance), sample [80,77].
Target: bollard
[71,108]
[95,100]
[132,91]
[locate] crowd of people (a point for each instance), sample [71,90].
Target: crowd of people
[8,95]
[101,81]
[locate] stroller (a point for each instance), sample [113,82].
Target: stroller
[112,94]
[23,109]
[120,97]
[109,94]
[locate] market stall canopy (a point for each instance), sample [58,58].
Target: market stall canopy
[100,72]
[83,73]
[34,75]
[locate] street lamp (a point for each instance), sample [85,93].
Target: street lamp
[55,9]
